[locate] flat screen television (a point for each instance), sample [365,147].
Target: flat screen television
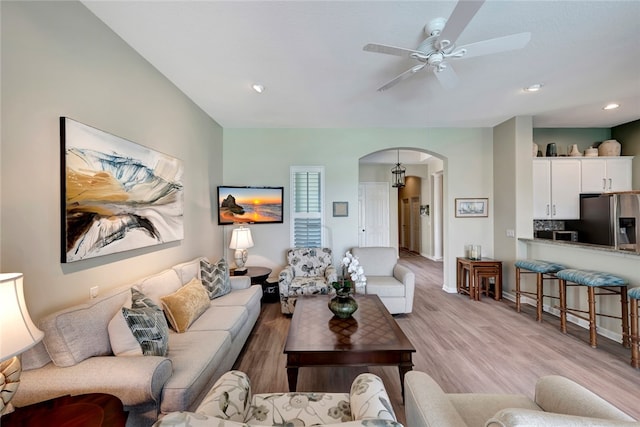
[250,205]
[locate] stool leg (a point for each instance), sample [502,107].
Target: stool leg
[518,289]
[539,297]
[635,339]
[625,316]
[563,305]
[593,336]
[498,286]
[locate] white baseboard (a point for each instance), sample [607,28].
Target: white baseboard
[617,337]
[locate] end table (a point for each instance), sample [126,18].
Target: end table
[259,276]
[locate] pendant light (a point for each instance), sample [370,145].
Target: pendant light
[398,174]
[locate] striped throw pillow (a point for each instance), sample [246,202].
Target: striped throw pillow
[215,278]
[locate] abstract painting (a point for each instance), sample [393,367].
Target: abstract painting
[116,195]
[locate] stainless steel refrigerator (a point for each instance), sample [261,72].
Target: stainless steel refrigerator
[610,219]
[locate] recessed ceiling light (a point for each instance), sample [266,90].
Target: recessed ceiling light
[611,106]
[533,88]
[258,88]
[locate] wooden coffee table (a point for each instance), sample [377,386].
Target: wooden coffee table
[370,338]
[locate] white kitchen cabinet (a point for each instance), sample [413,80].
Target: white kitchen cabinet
[605,174]
[556,188]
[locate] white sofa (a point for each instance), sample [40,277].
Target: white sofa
[558,402]
[392,282]
[76,355]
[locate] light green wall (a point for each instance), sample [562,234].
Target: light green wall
[58,59]
[263,157]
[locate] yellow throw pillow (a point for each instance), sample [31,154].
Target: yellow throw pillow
[185,305]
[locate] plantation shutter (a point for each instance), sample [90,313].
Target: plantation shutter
[306,206]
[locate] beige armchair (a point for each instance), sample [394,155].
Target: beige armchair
[392,282]
[310,271]
[558,402]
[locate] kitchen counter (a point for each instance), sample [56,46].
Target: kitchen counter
[578,245]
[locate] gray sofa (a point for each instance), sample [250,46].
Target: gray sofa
[392,282]
[558,402]
[76,354]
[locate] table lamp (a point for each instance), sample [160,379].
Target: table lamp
[17,334]
[240,241]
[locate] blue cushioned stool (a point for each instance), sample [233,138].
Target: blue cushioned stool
[607,284]
[634,299]
[543,270]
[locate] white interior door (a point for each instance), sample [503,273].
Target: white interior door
[374,214]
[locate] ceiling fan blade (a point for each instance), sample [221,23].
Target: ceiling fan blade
[447,77]
[410,72]
[462,14]
[500,44]
[389,50]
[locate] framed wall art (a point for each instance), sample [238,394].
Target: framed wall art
[472,208]
[116,195]
[340,208]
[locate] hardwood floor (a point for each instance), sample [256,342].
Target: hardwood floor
[467,346]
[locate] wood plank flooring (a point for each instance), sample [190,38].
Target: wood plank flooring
[467,346]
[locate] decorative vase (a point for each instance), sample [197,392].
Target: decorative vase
[535,149]
[574,151]
[552,151]
[610,147]
[343,305]
[591,152]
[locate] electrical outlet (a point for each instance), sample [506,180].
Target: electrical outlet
[93,292]
[511,233]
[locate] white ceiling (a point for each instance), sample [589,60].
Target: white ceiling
[308,55]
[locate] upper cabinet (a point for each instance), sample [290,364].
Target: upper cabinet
[556,188]
[605,174]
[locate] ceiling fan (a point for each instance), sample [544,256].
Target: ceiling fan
[439,46]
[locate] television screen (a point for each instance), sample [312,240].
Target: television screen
[255,205]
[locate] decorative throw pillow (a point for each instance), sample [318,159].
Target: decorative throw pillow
[215,278]
[123,342]
[186,304]
[148,324]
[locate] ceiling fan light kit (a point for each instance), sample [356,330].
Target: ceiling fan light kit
[439,46]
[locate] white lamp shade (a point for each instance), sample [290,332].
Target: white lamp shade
[241,239]
[17,331]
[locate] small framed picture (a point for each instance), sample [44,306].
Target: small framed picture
[472,208]
[340,208]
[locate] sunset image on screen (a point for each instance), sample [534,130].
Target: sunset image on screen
[249,204]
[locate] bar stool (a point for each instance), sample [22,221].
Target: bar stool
[634,299]
[543,270]
[607,284]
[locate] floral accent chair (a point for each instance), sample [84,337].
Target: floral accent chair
[309,272]
[230,403]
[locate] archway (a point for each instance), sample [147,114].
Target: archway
[413,208]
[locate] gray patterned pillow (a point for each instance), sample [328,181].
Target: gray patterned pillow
[148,324]
[215,278]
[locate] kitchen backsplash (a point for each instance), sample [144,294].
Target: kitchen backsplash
[546,224]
